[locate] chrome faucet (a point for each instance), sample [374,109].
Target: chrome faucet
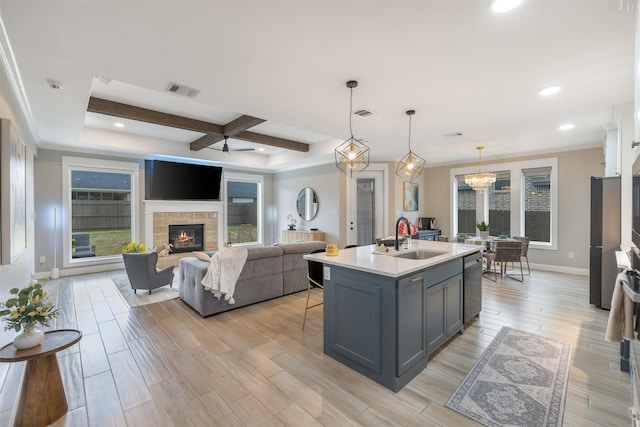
[406,221]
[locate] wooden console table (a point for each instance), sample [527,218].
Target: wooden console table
[42,400]
[289,236]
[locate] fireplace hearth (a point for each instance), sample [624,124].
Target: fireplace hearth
[186,237]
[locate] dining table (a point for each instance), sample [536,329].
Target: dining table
[488,244]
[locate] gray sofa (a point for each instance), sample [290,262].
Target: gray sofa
[269,272]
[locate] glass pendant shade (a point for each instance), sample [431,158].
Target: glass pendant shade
[480,181]
[411,165]
[352,156]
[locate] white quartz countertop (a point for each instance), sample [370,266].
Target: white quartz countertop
[364,259]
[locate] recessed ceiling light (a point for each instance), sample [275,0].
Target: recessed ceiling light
[260,149]
[501,6]
[549,90]
[566,126]
[118,125]
[54,84]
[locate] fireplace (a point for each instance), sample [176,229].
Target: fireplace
[186,238]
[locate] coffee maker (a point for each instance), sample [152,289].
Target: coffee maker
[426,223]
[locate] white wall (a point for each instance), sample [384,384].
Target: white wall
[327,183]
[20,271]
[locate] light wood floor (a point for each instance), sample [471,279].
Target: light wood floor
[163,365]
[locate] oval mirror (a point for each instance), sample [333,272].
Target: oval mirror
[307,204]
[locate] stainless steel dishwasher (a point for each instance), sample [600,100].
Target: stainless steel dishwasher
[472,285]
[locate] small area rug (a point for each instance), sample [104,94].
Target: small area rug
[142,297]
[520,380]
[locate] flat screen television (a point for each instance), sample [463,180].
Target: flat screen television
[181,181]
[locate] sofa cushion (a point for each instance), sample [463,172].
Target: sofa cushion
[294,266]
[256,252]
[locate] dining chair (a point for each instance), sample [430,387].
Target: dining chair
[504,252]
[314,276]
[525,250]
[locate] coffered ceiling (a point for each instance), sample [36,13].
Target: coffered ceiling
[278,69]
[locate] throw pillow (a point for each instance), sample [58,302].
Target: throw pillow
[202,256]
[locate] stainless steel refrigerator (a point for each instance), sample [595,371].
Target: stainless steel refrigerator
[605,239]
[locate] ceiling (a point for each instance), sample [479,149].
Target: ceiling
[463,68]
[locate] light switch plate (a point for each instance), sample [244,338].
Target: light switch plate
[326,271]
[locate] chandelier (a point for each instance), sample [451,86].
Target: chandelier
[352,156]
[411,165]
[480,181]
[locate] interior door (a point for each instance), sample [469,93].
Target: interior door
[365,197]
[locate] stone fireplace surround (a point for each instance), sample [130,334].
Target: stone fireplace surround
[158,214]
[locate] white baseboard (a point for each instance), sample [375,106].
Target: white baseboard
[80,270]
[560,269]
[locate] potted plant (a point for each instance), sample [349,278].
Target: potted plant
[483,227]
[26,309]
[134,247]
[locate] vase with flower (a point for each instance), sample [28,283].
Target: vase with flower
[292,222]
[28,308]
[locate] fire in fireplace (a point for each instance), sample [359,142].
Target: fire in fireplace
[186,238]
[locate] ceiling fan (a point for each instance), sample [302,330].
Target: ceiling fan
[225,147]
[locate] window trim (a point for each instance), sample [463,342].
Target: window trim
[95,165]
[517,201]
[243,177]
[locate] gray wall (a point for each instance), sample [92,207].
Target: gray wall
[574,170]
[48,184]
[327,183]
[48,194]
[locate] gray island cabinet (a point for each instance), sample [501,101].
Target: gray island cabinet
[384,315]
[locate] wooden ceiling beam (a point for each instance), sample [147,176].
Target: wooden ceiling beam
[232,128]
[241,124]
[125,111]
[214,132]
[205,141]
[273,141]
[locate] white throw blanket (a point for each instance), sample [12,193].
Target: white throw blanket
[223,272]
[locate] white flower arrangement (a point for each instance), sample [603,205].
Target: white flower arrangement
[292,222]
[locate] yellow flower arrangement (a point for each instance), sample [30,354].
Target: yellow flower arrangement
[28,308]
[134,247]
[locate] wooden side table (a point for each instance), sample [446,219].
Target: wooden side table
[42,399]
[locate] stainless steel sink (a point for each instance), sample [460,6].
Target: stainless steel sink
[417,254]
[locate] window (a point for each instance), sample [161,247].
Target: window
[243,208]
[500,204]
[522,201]
[537,204]
[466,208]
[100,199]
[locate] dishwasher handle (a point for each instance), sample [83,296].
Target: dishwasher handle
[472,261]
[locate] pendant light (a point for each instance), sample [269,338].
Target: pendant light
[352,156]
[480,181]
[411,165]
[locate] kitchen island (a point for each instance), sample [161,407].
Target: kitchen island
[384,314]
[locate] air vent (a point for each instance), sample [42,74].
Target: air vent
[364,113]
[182,90]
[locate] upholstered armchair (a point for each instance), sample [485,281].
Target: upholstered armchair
[142,272]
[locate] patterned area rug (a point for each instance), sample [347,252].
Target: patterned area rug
[520,380]
[142,297]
